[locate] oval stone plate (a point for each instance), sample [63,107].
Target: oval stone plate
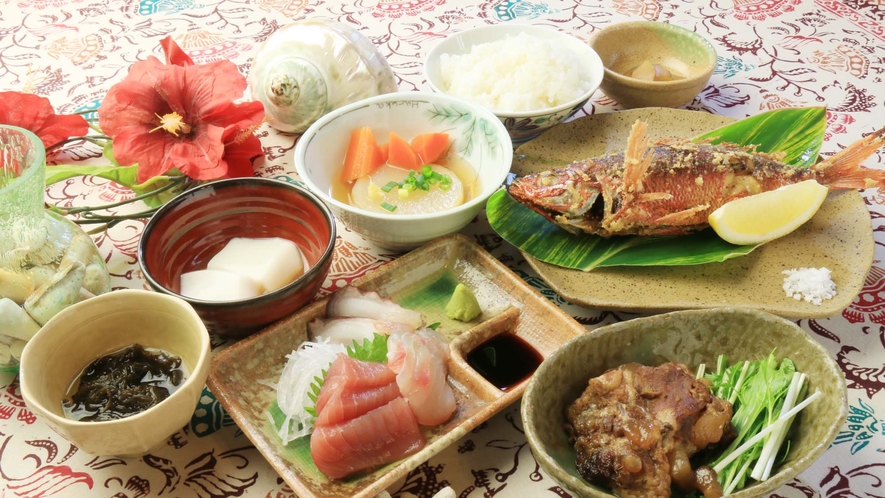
[839,237]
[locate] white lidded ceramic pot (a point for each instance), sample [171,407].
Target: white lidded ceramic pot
[308,68]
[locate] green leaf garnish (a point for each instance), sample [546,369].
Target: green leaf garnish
[389,207]
[315,387]
[374,350]
[758,390]
[434,326]
[533,234]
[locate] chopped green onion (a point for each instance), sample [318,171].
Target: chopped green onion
[389,186]
[445,183]
[424,180]
[389,207]
[434,326]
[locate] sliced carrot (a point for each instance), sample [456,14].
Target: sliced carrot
[400,154]
[363,155]
[430,146]
[385,151]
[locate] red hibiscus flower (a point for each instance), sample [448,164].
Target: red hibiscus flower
[35,114]
[182,115]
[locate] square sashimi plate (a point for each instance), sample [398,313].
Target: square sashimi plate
[422,280]
[839,237]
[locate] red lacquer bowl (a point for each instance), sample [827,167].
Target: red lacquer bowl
[191,228]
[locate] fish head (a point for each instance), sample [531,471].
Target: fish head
[564,196]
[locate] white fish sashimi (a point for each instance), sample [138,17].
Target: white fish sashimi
[345,330]
[420,360]
[351,302]
[304,364]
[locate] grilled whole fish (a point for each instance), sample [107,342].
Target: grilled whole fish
[671,188]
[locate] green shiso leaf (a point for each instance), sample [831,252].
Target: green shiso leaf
[796,132]
[374,350]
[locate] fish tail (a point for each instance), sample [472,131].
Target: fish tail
[844,171]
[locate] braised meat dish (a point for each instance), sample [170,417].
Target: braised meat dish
[635,427]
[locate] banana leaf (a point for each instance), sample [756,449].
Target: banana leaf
[796,132]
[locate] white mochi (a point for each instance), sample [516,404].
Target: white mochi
[214,285]
[272,262]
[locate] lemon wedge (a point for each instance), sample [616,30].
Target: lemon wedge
[764,217]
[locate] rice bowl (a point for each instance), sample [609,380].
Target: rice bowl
[522,125]
[518,73]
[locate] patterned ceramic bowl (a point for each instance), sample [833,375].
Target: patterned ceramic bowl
[692,338]
[476,136]
[88,330]
[524,125]
[194,226]
[624,46]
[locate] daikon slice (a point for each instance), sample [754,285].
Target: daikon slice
[367,193]
[271,262]
[215,285]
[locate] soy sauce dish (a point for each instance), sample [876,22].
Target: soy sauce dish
[160,337]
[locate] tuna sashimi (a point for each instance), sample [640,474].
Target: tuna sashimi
[344,404]
[383,435]
[420,360]
[350,374]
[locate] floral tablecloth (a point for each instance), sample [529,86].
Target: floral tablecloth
[772,54]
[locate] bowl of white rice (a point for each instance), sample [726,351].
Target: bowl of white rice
[531,77]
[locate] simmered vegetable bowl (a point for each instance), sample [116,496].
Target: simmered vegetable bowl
[420,176]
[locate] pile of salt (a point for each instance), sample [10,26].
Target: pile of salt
[811,284]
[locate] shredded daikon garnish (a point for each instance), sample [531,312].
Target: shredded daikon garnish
[305,364]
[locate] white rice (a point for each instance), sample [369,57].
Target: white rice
[811,284]
[521,73]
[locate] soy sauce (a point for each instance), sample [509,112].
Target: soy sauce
[505,360]
[123,383]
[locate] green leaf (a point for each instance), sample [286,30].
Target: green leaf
[533,234]
[796,132]
[123,175]
[108,152]
[374,350]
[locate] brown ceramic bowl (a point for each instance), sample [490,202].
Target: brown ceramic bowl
[624,46]
[690,337]
[194,226]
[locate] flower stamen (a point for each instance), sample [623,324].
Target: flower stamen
[173,123]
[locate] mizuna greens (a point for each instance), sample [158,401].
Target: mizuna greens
[764,393]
